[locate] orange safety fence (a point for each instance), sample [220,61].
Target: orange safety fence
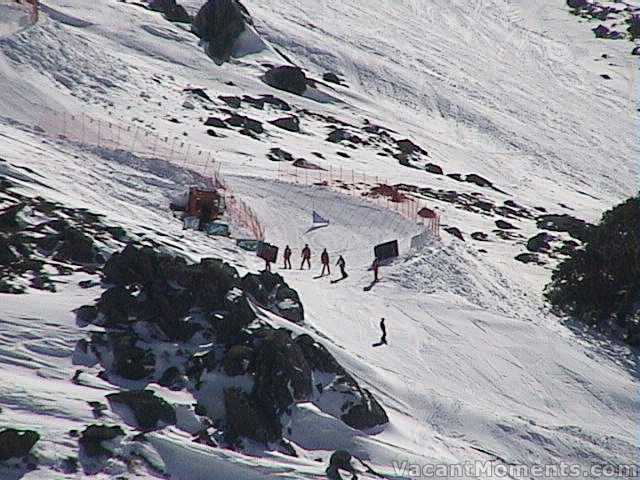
[147,144]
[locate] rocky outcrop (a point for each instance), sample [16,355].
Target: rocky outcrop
[282,374]
[149,411]
[171,10]
[245,418]
[291,124]
[340,460]
[455,231]
[173,300]
[288,78]
[575,227]
[360,409]
[504,225]
[277,154]
[540,242]
[92,437]
[220,23]
[16,443]
[247,123]
[271,290]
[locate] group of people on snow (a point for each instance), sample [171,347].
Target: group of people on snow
[305,254]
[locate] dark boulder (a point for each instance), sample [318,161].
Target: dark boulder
[340,134]
[16,443]
[215,122]
[361,410]
[172,379]
[248,123]
[529,258]
[282,374]
[634,26]
[237,315]
[220,22]
[331,78]
[317,356]
[271,291]
[407,147]
[92,437]
[455,231]
[246,418]
[130,361]
[172,11]
[86,314]
[480,236]
[365,412]
[288,78]
[231,101]
[575,227]
[478,180]
[275,102]
[74,246]
[237,360]
[7,255]
[159,5]
[150,411]
[340,460]
[291,124]
[504,225]
[279,155]
[210,282]
[131,266]
[577,3]
[539,242]
[433,168]
[117,305]
[177,13]
[9,219]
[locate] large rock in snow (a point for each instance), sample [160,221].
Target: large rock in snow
[359,409]
[282,374]
[288,78]
[220,22]
[150,411]
[92,437]
[16,443]
[171,9]
[246,418]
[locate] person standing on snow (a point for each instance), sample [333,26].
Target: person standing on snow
[341,265]
[383,339]
[324,258]
[287,257]
[306,257]
[376,267]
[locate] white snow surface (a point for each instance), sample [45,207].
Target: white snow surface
[476,368]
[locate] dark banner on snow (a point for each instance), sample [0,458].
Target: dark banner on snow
[386,250]
[267,252]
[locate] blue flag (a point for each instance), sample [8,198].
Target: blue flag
[317,218]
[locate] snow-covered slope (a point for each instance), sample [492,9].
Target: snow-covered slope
[476,368]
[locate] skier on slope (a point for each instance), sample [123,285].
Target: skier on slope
[324,258]
[306,257]
[383,339]
[287,257]
[341,265]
